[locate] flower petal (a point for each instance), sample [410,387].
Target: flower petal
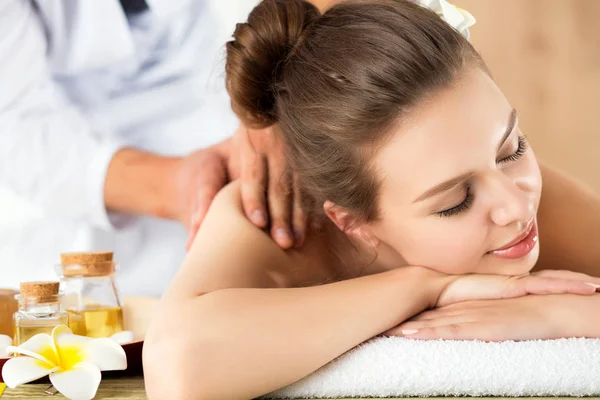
[69,347]
[79,383]
[20,370]
[5,341]
[123,337]
[434,5]
[62,334]
[106,354]
[39,346]
[458,18]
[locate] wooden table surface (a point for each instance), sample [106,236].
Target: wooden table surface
[113,388]
[133,389]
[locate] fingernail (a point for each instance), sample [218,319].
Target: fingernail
[282,234]
[259,218]
[409,331]
[593,285]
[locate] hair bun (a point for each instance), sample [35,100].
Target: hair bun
[257,53]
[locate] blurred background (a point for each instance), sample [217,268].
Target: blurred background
[545,56]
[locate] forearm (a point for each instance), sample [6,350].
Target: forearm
[569,223]
[592,323]
[242,343]
[139,183]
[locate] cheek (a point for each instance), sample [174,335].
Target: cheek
[528,177]
[453,245]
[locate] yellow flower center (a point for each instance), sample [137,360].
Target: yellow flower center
[69,355]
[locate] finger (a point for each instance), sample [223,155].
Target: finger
[460,331]
[279,203]
[411,326]
[190,240]
[299,214]
[201,206]
[204,199]
[542,285]
[446,311]
[565,274]
[253,178]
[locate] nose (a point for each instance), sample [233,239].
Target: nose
[510,203]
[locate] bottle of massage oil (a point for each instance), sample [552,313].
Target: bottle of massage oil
[89,294]
[39,310]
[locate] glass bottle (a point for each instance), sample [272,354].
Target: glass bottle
[90,295]
[39,310]
[8,308]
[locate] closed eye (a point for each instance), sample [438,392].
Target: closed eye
[521,149]
[459,208]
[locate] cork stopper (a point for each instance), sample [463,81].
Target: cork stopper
[39,289]
[86,258]
[92,269]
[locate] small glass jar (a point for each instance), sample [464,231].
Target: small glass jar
[39,310]
[89,294]
[8,308]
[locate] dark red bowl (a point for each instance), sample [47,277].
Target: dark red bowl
[133,351]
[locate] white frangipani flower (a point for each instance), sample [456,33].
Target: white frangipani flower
[122,337]
[73,362]
[459,19]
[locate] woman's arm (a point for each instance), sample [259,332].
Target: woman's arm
[569,223]
[218,336]
[231,327]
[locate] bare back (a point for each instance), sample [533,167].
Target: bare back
[230,252]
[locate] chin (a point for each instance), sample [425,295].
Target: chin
[520,266]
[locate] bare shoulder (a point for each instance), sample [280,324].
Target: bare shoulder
[230,252]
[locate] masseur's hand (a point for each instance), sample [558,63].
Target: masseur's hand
[523,318]
[269,191]
[197,180]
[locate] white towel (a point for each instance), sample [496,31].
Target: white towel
[399,367]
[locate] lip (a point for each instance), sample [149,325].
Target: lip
[519,237]
[521,245]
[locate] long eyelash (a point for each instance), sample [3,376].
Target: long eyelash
[523,146]
[459,208]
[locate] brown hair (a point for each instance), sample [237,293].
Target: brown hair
[337,82]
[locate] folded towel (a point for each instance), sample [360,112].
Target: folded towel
[399,367]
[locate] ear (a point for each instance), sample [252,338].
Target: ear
[350,224]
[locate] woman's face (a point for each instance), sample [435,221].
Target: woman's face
[460,186]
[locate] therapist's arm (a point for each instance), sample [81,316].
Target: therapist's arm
[51,155]
[178,188]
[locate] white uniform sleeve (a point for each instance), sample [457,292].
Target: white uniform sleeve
[48,151]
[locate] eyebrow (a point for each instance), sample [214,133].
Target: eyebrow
[449,184]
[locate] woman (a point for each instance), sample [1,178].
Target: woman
[431,197]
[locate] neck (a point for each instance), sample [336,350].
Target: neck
[373,260]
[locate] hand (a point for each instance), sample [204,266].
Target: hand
[269,189]
[523,318]
[197,180]
[488,287]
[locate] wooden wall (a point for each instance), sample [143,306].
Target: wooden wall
[545,55]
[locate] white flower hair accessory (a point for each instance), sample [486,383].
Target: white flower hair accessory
[73,362]
[459,19]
